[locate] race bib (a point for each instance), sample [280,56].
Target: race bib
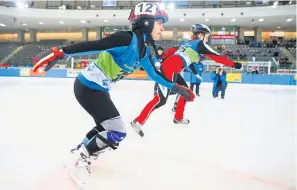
[145,8]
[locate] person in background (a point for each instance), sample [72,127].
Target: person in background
[158,60]
[219,82]
[255,71]
[199,67]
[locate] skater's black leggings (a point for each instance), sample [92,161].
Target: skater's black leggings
[163,98]
[97,103]
[197,87]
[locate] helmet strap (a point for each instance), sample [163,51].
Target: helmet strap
[151,41]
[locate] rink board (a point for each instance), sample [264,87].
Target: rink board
[141,75]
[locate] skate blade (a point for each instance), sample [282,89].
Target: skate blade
[72,174]
[180,123]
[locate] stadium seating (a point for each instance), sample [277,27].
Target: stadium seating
[235,52]
[24,56]
[6,48]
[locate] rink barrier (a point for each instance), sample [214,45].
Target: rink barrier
[141,75]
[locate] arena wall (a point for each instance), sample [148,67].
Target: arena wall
[141,75]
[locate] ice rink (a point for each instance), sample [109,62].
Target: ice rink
[245,142]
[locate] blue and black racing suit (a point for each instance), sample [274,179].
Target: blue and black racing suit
[120,54]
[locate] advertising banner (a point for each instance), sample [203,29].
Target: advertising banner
[40,73]
[222,37]
[234,77]
[24,72]
[27,72]
[286,71]
[137,75]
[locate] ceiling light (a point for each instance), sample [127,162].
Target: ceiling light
[24,24]
[20,5]
[289,19]
[233,19]
[105,20]
[182,19]
[261,19]
[41,23]
[83,21]
[61,22]
[278,27]
[3,25]
[162,6]
[171,6]
[207,19]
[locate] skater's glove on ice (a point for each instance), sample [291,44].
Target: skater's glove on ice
[49,57]
[185,92]
[237,65]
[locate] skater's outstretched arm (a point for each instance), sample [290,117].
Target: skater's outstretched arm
[115,43]
[118,40]
[212,54]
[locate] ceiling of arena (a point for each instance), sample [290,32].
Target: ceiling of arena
[16,20]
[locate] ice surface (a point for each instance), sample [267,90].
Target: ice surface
[245,142]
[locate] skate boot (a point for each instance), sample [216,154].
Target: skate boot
[137,127]
[84,141]
[82,158]
[79,167]
[182,121]
[95,155]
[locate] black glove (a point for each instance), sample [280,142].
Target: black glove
[237,65]
[49,57]
[183,91]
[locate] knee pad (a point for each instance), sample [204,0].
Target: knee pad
[115,129]
[115,136]
[104,140]
[114,124]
